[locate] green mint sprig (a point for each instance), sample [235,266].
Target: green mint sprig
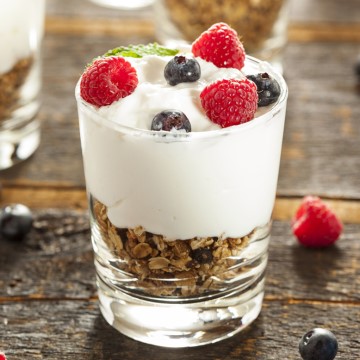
[138,51]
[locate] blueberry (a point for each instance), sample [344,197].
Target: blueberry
[168,120]
[202,255]
[268,88]
[15,222]
[318,344]
[181,69]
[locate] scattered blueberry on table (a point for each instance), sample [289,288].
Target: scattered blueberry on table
[15,222]
[318,344]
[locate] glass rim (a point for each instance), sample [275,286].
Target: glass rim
[187,136]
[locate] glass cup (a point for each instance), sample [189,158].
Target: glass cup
[180,222]
[261,24]
[21,32]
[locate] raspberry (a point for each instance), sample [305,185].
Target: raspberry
[220,45]
[2,356]
[107,80]
[230,102]
[315,224]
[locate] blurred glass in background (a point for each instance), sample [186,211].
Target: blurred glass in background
[21,33]
[261,24]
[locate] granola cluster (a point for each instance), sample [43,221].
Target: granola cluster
[171,268]
[10,85]
[252,19]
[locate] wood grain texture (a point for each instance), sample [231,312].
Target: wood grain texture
[49,310]
[321,141]
[300,12]
[72,330]
[48,298]
[55,262]
[46,195]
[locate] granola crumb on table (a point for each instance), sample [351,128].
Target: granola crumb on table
[171,268]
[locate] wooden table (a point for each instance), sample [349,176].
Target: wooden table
[48,301]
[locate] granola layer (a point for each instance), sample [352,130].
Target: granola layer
[10,85]
[252,19]
[171,268]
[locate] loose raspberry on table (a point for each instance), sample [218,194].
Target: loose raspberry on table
[2,356]
[107,80]
[315,224]
[230,102]
[220,45]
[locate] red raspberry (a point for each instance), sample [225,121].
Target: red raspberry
[315,224]
[107,80]
[230,102]
[2,356]
[220,45]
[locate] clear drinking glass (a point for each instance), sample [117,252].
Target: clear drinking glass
[180,222]
[21,32]
[261,24]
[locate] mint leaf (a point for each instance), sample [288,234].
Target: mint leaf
[138,51]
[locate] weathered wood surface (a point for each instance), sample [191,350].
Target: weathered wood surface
[48,303]
[321,142]
[73,330]
[55,262]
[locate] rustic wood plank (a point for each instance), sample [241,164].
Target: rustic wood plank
[344,12]
[40,196]
[321,147]
[297,32]
[102,26]
[347,210]
[321,142]
[55,262]
[305,11]
[76,330]
[299,273]
[326,31]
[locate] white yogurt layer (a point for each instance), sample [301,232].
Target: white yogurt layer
[21,30]
[219,182]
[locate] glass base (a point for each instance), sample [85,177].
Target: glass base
[180,324]
[163,311]
[19,143]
